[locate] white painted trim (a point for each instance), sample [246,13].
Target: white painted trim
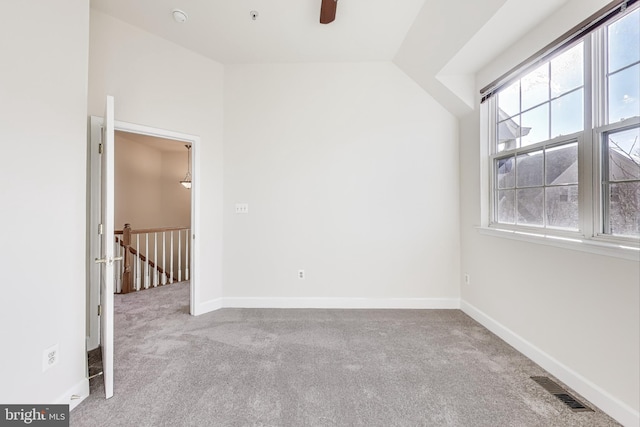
[373,303]
[93,338]
[195,196]
[616,250]
[207,306]
[617,409]
[80,389]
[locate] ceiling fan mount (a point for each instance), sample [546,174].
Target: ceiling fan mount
[328,11]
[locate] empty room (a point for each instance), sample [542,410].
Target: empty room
[421,212]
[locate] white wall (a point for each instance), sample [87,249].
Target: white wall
[138,189]
[580,309]
[159,84]
[350,172]
[148,193]
[175,199]
[43,131]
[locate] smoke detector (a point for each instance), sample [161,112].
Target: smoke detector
[179,16]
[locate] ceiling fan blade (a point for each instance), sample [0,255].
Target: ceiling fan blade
[328,11]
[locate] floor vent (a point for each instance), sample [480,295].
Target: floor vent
[552,387]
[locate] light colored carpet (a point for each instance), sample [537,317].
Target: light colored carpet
[272,367]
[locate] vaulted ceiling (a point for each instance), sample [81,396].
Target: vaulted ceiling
[438,43]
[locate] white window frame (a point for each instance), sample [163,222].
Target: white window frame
[590,235]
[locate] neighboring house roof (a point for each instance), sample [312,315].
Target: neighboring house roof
[562,170]
[508,129]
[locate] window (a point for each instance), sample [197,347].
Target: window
[565,150]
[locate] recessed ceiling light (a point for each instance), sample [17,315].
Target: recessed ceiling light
[179,16]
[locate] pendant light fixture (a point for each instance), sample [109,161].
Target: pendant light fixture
[186,182]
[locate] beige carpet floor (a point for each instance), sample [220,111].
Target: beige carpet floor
[299,367]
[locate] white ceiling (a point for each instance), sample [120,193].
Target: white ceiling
[285,31]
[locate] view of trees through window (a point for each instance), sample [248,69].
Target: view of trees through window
[540,127]
[621,184]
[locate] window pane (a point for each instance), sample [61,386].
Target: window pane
[535,87]
[506,172]
[624,155]
[624,208]
[624,41]
[567,114]
[535,125]
[567,71]
[562,206]
[624,91]
[562,165]
[509,100]
[529,169]
[530,206]
[508,133]
[506,206]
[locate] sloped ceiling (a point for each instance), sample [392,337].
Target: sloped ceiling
[448,44]
[440,44]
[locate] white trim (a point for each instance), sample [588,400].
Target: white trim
[617,409]
[620,250]
[80,389]
[93,249]
[195,194]
[372,303]
[94,135]
[207,306]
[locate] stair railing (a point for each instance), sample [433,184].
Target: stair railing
[139,270]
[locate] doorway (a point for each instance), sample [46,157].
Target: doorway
[141,135]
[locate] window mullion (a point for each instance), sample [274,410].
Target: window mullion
[587,166]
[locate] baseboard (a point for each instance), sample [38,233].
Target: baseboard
[207,306]
[617,409]
[345,303]
[74,395]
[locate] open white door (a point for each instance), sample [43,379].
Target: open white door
[107,259]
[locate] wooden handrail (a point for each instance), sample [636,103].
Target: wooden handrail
[152,230]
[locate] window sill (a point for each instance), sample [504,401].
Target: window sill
[593,246]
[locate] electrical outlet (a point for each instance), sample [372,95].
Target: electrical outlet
[301,274]
[49,357]
[242,208]
[467,279]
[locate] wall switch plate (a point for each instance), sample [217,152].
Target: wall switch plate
[242,208]
[301,274]
[50,357]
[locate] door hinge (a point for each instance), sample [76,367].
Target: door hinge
[99,310]
[100,148]
[100,229]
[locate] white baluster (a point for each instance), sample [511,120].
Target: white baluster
[155,259]
[171,259]
[179,257]
[115,267]
[120,265]
[146,261]
[186,254]
[134,263]
[164,262]
[138,264]
[133,270]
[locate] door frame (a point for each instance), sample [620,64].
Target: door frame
[93,188]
